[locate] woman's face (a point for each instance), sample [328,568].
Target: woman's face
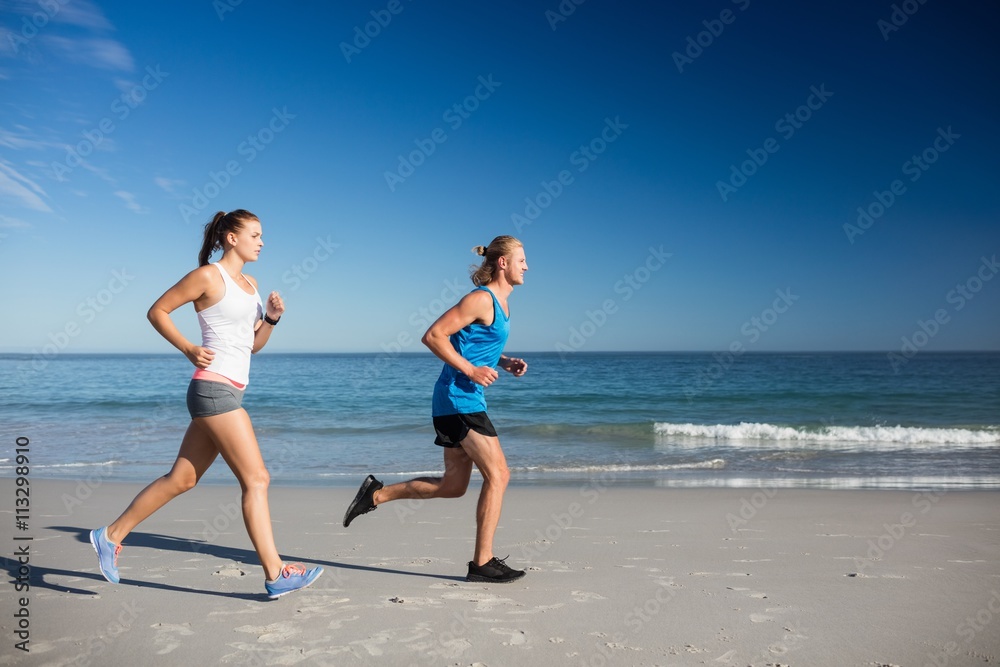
[247,241]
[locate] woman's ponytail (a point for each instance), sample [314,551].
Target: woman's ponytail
[215,231]
[211,242]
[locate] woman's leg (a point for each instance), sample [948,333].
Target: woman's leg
[235,440]
[197,453]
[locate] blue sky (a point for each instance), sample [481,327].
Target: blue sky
[683,178]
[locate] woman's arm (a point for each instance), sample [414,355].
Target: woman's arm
[273,307]
[191,287]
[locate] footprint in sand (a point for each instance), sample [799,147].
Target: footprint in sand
[484,601]
[749,593]
[585,596]
[517,637]
[168,636]
[273,633]
[760,618]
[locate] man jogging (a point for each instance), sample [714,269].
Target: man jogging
[469,338]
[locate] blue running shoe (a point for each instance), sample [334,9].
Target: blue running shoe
[293,577]
[107,554]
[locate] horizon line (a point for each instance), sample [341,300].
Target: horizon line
[549,352]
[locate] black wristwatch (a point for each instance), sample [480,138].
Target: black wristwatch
[270,321]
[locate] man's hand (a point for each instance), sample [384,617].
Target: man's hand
[483,375]
[514,366]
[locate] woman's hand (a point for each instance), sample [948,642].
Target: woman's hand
[201,357]
[275,306]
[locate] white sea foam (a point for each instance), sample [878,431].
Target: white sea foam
[898,482]
[67,465]
[624,467]
[900,435]
[610,467]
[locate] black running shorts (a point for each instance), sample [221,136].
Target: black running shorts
[452,429]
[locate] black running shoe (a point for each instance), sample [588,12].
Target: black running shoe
[493,571]
[362,503]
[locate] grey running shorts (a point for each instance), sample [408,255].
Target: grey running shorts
[206,398]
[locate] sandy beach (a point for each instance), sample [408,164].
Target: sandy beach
[617,576]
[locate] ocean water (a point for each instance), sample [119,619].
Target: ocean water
[826,420]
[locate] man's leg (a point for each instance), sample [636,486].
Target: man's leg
[485,452]
[457,471]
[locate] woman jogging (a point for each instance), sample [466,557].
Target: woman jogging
[234,324]
[469,338]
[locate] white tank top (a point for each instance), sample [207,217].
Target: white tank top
[227,328]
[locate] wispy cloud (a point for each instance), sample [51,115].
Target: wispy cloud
[20,188]
[84,14]
[76,34]
[168,185]
[21,137]
[9,222]
[96,52]
[93,48]
[130,202]
[7,39]
[100,172]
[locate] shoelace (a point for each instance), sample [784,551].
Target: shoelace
[499,563]
[118,550]
[293,568]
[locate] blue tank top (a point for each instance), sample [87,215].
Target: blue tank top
[455,393]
